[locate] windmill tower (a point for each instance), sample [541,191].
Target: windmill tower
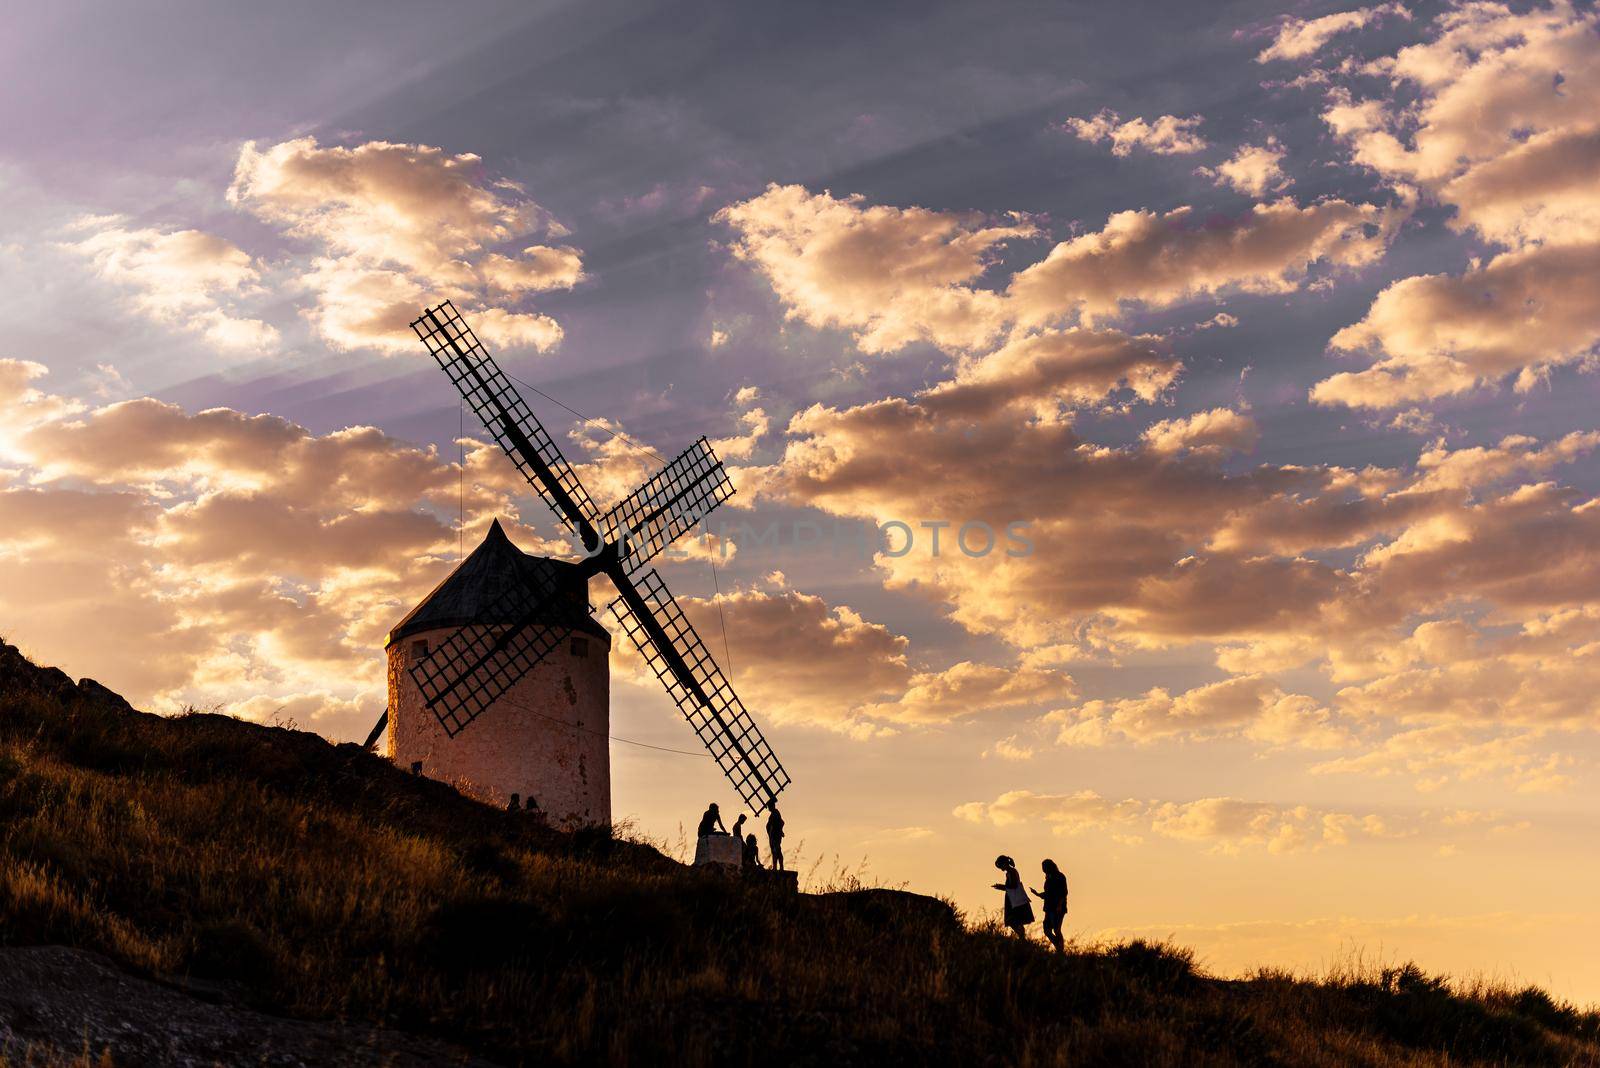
[548,738]
[496,657]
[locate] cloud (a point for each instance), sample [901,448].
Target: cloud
[414,206]
[1300,38]
[1042,373]
[1154,545]
[364,307]
[1066,813]
[1502,130]
[1225,824]
[967,689]
[868,687]
[183,277]
[325,713]
[1448,752]
[1167,136]
[1158,260]
[1515,455]
[539,268]
[1541,189]
[1437,335]
[892,275]
[24,406]
[1254,170]
[1011,748]
[395,226]
[1250,705]
[252,558]
[1449,672]
[1214,432]
[895,276]
[1111,530]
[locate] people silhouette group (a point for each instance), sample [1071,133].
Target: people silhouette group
[531,809]
[750,851]
[1019,910]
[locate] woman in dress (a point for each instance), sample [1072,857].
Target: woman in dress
[1019,913]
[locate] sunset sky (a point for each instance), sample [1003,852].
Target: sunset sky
[1273,325]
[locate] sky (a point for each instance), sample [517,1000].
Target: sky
[1239,356]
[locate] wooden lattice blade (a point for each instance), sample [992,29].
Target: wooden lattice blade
[664,636]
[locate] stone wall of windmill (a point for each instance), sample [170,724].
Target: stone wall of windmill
[546,738]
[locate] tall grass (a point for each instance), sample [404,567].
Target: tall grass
[319,881]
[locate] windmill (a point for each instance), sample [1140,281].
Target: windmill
[464,675]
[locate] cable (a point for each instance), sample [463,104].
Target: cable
[727,654]
[597,423]
[461,480]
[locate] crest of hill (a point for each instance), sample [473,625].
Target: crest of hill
[269,870]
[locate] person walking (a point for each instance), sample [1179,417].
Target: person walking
[775,837]
[1054,901]
[1018,911]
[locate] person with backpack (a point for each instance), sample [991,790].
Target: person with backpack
[1054,900]
[1018,910]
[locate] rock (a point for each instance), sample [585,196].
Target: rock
[104,696]
[720,849]
[58,1003]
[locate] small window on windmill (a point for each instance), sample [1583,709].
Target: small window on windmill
[580,647]
[419,650]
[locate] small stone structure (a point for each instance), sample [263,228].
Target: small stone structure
[547,738]
[721,849]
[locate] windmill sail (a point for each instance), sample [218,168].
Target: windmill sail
[668,505]
[662,633]
[479,663]
[507,417]
[476,665]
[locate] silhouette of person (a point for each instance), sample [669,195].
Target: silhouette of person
[711,822]
[534,811]
[775,837]
[1019,913]
[1055,903]
[752,853]
[738,827]
[416,767]
[515,804]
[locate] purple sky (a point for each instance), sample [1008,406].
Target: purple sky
[1305,654]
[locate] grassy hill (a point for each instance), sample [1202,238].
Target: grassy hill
[271,869]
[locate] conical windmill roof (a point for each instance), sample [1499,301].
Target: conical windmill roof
[467,596]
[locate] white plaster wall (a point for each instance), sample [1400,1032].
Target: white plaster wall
[546,738]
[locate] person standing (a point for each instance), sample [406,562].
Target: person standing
[775,837]
[738,829]
[1018,911]
[1054,900]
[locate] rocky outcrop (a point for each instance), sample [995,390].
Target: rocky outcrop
[20,677]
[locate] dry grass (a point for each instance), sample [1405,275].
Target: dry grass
[318,881]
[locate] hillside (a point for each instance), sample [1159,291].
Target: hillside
[243,877]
